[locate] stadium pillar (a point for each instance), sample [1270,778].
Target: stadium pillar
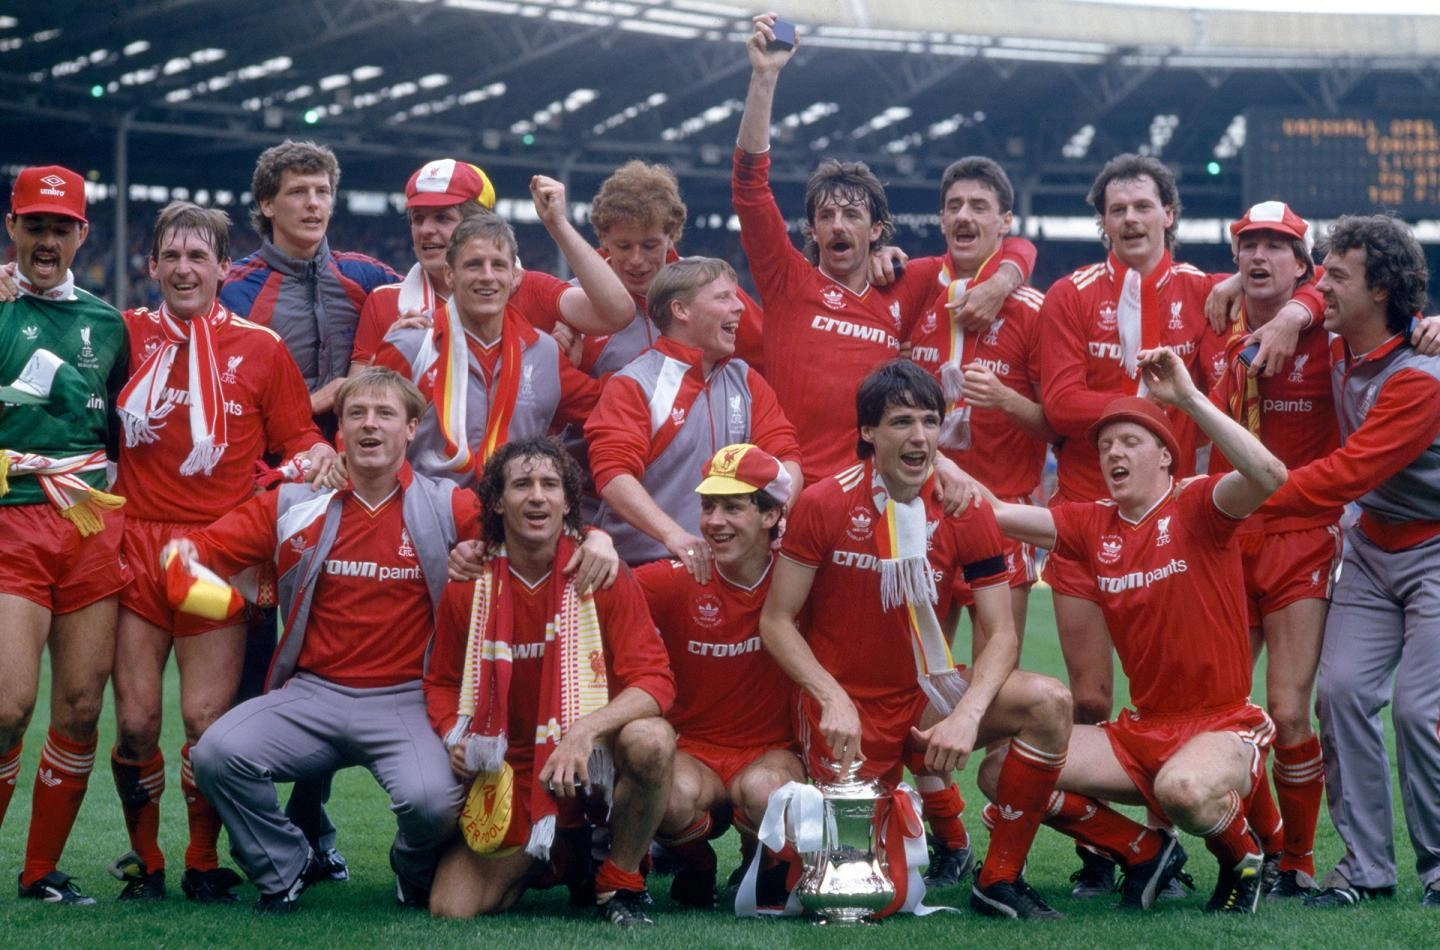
[121,250]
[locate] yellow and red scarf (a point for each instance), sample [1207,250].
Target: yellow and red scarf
[573,685]
[452,385]
[1244,397]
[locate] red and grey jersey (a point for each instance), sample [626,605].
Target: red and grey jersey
[551,392]
[1388,406]
[660,419]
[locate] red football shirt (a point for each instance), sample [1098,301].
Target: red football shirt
[267,409]
[728,691]
[1297,423]
[1004,458]
[1080,367]
[833,529]
[1173,594]
[634,655]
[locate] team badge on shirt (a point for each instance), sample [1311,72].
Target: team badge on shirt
[405,549]
[230,369]
[1162,528]
[87,352]
[928,324]
[527,385]
[895,313]
[1109,316]
[833,297]
[1110,545]
[1176,322]
[862,523]
[993,337]
[705,611]
[1297,368]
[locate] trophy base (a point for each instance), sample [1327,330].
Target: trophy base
[847,917]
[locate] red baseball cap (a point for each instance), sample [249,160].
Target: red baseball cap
[744,468]
[445,182]
[1143,413]
[1272,216]
[49,189]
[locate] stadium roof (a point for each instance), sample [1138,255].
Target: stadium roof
[1050,87]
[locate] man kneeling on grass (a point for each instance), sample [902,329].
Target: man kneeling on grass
[1172,590]
[546,696]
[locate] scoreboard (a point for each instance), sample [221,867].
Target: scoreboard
[1355,163]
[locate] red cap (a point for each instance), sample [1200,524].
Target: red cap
[445,182]
[744,468]
[1143,413]
[49,189]
[1272,216]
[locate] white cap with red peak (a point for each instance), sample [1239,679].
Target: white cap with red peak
[1272,216]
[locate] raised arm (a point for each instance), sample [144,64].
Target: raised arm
[1258,473]
[765,66]
[601,305]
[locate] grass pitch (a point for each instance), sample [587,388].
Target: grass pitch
[362,912]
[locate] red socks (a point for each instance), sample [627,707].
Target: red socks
[1027,777]
[9,772]
[942,810]
[1102,828]
[1299,784]
[204,820]
[60,784]
[1230,838]
[610,879]
[140,785]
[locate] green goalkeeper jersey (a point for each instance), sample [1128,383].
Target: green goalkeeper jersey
[89,335]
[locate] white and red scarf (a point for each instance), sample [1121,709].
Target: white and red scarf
[1137,315]
[959,351]
[573,682]
[907,584]
[145,400]
[417,292]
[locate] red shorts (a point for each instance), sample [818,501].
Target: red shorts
[1019,564]
[48,562]
[1070,577]
[884,735]
[145,594]
[725,761]
[1144,746]
[1281,569]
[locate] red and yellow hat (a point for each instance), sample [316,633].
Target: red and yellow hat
[744,468]
[1272,216]
[445,182]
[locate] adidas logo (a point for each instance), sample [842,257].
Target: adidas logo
[1009,814]
[48,777]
